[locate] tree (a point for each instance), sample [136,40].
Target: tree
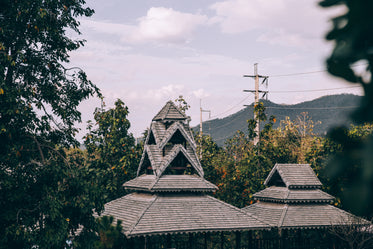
[353,38]
[44,194]
[111,148]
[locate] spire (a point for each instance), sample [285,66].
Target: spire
[170,112]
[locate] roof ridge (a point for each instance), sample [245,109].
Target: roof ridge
[240,210]
[284,211]
[142,214]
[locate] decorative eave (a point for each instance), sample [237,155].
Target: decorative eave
[285,195]
[170,183]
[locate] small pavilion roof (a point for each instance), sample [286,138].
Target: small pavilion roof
[293,200]
[170,183]
[285,195]
[293,176]
[152,214]
[302,216]
[170,112]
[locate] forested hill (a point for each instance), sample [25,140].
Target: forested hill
[330,110]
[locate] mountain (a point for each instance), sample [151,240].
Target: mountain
[331,110]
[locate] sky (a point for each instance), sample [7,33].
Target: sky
[147,52]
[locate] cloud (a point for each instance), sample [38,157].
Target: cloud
[236,16]
[284,38]
[160,24]
[200,93]
[291,23]
[167,25]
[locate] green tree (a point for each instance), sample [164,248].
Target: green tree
[44,194]
[111,148]
[353,43]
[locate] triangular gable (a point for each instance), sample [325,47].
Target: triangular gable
[170,112]
[293,175]
[150,140]
[173,154]
[172,130]
[150,152]
[153,132]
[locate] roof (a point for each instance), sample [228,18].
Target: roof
[153,214]
[170,183]
[170,112]
[301,216]
[285,195]
[293,176]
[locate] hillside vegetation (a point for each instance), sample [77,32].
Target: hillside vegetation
[329,110]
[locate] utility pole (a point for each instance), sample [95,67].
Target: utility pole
[200,127]
[256,76]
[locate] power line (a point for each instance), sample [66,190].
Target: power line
[316,90]
[312,72]
[230,109]
[294,74]
[311,108]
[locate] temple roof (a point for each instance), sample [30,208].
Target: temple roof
[285,195]
[294,200]
[302,216]
[170,112]
[170,183]
[154,214]
[293,176]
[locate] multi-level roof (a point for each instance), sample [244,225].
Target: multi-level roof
[170,192]
[293,199]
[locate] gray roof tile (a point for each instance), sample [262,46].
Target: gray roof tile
[294,176]
[157,214]
[170,183]
[300,216]
[285,195]
[169,112]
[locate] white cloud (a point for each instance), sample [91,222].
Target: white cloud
[291,23]
[284,38]
[236,16]
[159,25]
[166,24]
[200,93]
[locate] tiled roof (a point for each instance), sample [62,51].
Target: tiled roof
[170,183]
[169,112]
[301,216]
[146,214]
[294,176]
[285,195]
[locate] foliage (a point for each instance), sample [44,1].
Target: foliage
[353,43]
[181,104]
[318,110]
[45,193]
[111,148]
[110,236]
